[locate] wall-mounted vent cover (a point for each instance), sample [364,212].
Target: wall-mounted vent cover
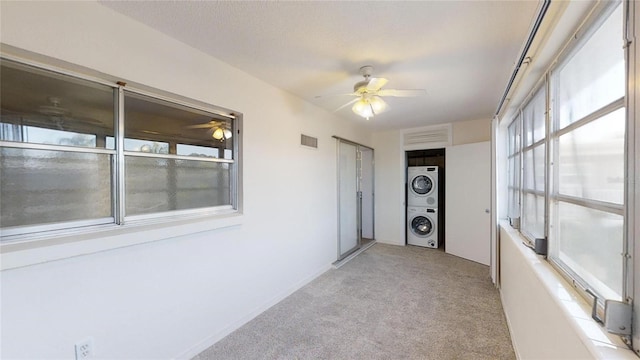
[430,137]
[308,141]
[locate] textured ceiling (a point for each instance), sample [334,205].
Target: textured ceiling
[461,52]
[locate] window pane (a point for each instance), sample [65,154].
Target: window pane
[514,202]
[514,136]
[151,121]
[155,185]
[533,215]
[534,163]
[534,118]
[590,243]
[595,75]
[591,159]
[47,108]
[42,186]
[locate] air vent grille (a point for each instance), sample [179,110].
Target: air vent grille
[428,137]
[308,141]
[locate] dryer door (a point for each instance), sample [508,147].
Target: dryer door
[422,226]
[422,185]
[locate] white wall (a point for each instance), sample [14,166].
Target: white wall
[174,297]
[389,188]
[471,131]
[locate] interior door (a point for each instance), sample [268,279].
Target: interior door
[349,206]
[468,194]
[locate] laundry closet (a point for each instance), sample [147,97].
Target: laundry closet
[425,198]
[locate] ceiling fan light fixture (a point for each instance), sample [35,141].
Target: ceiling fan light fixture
[377,105]
[218,134]
[363,108]
[221,134]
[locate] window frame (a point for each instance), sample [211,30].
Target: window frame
[599,14]
[514,169]
[539,90]
[38,235]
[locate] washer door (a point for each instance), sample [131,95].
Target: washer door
[422,226]
[422,185]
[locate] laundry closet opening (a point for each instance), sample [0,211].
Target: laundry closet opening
[425,198]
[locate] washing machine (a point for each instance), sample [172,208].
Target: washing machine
[423,186]
[422,227]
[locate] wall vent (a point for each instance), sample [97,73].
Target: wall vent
[308,141]
[430,137]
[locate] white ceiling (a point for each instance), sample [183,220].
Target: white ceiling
[461,52]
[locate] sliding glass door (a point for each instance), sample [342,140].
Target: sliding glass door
[352,188]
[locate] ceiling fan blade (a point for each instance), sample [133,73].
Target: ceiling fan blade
[347,104]
[402,93]
[376,83]
[333,95]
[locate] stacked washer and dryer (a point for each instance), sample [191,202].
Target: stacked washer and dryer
[422,206]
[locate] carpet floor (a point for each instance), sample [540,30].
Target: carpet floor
[390,302]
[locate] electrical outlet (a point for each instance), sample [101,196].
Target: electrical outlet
[84,349]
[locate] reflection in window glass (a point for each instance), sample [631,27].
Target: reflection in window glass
[145,146]
[42,107]
[590,243]
[47,187]
[157,121]
[167,184]
[202,151]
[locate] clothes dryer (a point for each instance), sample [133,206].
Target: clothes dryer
[423,186]
[422,227]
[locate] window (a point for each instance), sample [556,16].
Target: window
[580,157]
[589,140]
[65,163]
[533,155]
[513,169]
[55,171]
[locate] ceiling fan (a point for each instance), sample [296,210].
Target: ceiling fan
[221,130]
[52,115]
[369,93]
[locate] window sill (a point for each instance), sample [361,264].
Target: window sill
[30,252]
[600,343]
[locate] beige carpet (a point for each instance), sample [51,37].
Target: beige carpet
[389,302]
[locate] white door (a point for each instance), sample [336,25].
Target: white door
[468,201]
